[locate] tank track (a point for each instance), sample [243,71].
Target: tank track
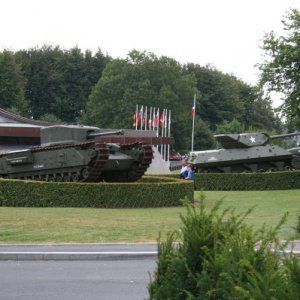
[90,173]
[138,169]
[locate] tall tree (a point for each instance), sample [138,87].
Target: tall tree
[11,83]
[281,67]
[59,81]
[145,79]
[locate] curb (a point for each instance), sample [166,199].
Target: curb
[22,256]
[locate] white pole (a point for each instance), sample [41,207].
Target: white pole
[145,117]
[157,115]
[165,127]
[169,134]
[153,119]
[136,115]
[162,133]
[142,116]
[150,119]
[193,128]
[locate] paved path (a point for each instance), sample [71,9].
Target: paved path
[90,251]
[78,252]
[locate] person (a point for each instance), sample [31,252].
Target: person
[190,173]
[183,171]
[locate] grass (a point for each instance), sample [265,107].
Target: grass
[67,225]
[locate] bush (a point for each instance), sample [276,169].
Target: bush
[218,257]
[149,192]
[246,181]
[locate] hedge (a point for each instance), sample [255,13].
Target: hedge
[149,192]
[246,181]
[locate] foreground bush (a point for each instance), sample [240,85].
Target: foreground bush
[149,192]
[218,258]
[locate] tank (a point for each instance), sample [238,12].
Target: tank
[77,153]
[246,152]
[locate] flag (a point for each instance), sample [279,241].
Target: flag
[162,120]
[134,120]
[155,120]
[140,116]
[194,108]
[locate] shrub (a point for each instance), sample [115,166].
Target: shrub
[216,256]
[246,181]
[149,192]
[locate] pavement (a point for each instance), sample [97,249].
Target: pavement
[134,251]
[78,251]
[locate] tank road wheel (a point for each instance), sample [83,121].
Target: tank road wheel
[75,177]
[85,173]
[59,178]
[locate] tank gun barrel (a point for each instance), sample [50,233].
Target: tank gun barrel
[278,136]
[116,132]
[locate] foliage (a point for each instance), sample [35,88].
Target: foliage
[51,119]
[58,82]
[247,181]
[153,192]
[218,257]
[230,127]
[225,98]
[145,79]
[11,83]
[281,68]
[91,88]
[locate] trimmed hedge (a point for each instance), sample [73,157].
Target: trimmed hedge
[246,181]
[149,192]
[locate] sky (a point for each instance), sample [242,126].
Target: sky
[227,34]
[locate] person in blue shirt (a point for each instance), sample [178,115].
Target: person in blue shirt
[190,173]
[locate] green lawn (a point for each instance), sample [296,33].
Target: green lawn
[66,225]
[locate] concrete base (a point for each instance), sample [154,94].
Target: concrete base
[158,165]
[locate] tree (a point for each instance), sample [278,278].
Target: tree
[281,67]
[60,81]
[145,79]
[11,83]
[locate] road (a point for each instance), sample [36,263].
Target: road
[76,280]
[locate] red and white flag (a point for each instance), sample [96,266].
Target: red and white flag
[162,120]
[140,116]
[194,108]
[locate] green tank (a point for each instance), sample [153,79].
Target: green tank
[246,152]
[77,153]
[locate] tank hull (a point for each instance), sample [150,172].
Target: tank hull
[83,162]
[253,159]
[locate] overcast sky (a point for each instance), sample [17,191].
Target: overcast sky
[225,33]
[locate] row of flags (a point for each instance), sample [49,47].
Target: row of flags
[159,120]
[154,118]
[151,119]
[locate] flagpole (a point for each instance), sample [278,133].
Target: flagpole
[193,128]
[169,134]
[165,126]
[136,115]
[142,116]
[150,119]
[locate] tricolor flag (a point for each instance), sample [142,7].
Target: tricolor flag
[162,120]
[140,116]
[194,108]
[156,119]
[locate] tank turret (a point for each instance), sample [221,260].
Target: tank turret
[247,140]
[246,152]
[71,134]
[77,153]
